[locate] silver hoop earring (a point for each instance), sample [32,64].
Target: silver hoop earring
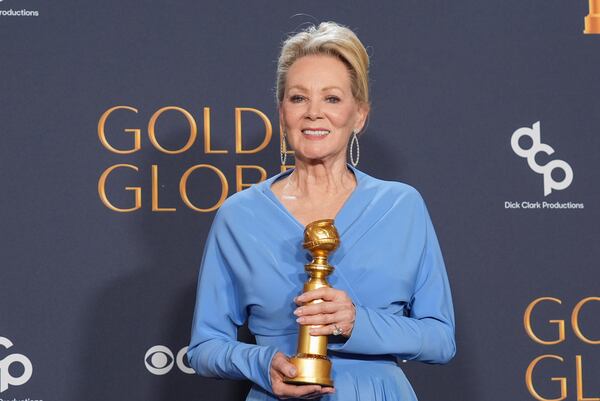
[354,139]
[283,151]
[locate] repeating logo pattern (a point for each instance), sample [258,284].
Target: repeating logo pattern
[537,147]
[159,360]
[6,378]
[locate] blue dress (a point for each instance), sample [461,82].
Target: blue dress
[389,262]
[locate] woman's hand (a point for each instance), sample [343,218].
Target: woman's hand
[280,368]
[336,310]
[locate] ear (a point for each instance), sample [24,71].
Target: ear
[362,113]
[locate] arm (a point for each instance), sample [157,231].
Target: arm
[427,334]
[214,350]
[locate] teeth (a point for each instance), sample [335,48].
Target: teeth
[314,132]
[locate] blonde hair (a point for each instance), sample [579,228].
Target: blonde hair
[331,39]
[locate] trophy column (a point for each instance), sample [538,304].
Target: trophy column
[311,362]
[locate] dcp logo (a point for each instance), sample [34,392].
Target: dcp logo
[159,360]
[5,377]
[537,147]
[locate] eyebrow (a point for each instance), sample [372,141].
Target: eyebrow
[324,89]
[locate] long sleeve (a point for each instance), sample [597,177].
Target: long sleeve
[427,333]
[214,350]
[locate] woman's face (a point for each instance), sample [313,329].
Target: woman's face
[318,111]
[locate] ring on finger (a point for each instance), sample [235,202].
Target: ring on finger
[336,330]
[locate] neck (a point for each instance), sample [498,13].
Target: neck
[321,178]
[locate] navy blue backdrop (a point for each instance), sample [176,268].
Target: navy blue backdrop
[88,292]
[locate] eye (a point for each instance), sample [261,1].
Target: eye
[332,99]
[296,98]
[159,360]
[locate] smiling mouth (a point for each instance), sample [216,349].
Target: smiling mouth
[312,132]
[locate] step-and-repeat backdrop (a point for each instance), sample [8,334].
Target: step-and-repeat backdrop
[125,125]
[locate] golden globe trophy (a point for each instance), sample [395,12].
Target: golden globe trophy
[311,362]
[592,20]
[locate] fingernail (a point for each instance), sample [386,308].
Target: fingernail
[292,372]
[299,320]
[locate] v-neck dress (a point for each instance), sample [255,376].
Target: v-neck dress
[389,262]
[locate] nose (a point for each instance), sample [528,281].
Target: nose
[313,110]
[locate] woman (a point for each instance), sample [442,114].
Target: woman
[390,299]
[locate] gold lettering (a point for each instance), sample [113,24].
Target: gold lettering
[152,133]
[575,320]
[102,133]
[183,187]
[155,207]
[529,329]
[529,380]
[239,176]
[102,190]
[207,148]
[238,130]
[579,374]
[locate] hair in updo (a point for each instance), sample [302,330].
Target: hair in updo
[332,39]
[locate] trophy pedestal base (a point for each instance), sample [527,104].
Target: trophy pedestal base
[592,23]
[313,370]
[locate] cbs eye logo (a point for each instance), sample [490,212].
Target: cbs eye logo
[5,377]
[159,360]
[537,146]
